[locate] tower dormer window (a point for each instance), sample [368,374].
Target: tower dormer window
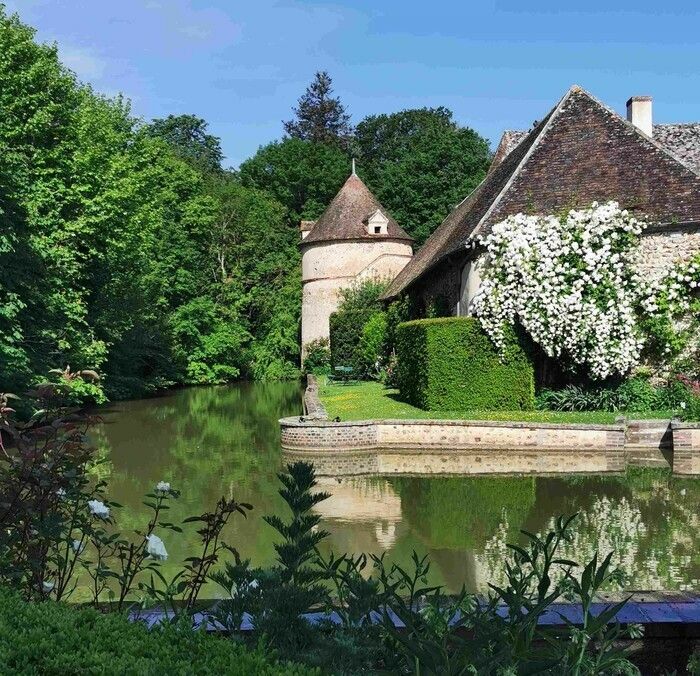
[377,223]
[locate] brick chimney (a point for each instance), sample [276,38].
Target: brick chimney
[639,113]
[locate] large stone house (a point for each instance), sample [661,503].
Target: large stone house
[579,153]
[354,239]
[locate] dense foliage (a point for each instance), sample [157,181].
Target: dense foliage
[53,638]
[450,364]
[358,329]
[420,164]
[125,247]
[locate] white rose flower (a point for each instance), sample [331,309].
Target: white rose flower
[156,548]
[163,487]
[98,509]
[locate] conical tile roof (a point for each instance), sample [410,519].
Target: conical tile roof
[346,216]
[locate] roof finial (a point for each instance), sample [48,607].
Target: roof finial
[354,173]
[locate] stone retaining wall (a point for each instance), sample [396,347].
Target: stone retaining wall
[452,447]
[484,447]
[686,448]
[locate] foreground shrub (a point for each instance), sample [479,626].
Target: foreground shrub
[451,364]
[442,634]
[52,638]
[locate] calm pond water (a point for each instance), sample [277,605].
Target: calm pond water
[218,441]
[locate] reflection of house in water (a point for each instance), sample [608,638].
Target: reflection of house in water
[371,508]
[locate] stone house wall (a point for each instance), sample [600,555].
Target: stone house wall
[661,248]
[660,251]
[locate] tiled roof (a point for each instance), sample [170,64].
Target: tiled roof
[346,216]
[682,140]
[581,152]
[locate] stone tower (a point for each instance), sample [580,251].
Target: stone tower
[355,238]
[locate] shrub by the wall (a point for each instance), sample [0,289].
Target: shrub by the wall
[450,364]
[52,638]
[318,357]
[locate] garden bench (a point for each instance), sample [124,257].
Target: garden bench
[343,374]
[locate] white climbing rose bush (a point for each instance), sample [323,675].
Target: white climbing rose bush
[569,281]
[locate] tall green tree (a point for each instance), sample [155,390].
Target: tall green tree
[319,116]
[420,163]
[303,176]
[188,135]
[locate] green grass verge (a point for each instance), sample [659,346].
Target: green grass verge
[371,400]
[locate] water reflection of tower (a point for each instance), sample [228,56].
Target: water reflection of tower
[364,514]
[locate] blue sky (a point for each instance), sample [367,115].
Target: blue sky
[498,65]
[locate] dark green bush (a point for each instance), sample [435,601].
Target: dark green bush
[634,395]
[52,638]
[318,357]
[450,364]
[351,343]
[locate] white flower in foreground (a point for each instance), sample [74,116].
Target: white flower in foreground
[683,405]
[77,546]
[48,586]
[98,509]
[163,487]
[61,493]
[156,548]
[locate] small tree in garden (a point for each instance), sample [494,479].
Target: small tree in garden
[569,281]
[353,343]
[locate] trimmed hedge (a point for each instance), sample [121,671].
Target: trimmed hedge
[450,364]
[53,638]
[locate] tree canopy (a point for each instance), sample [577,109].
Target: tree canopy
[124,248]
[319,116]
[420,163]
[188,136]
[304,176]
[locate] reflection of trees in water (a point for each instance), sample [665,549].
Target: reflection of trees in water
[207,442]
[648,519]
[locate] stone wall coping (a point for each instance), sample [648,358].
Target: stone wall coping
[436,422]
[681,425]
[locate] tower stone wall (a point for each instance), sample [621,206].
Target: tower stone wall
[328,267]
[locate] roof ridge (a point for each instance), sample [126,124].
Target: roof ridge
[551,116]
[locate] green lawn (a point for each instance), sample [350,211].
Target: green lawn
[371,400]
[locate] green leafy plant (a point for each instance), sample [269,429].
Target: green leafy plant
[450,364]
[318,357]
[277,597]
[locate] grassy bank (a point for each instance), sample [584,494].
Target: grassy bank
[371,400]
